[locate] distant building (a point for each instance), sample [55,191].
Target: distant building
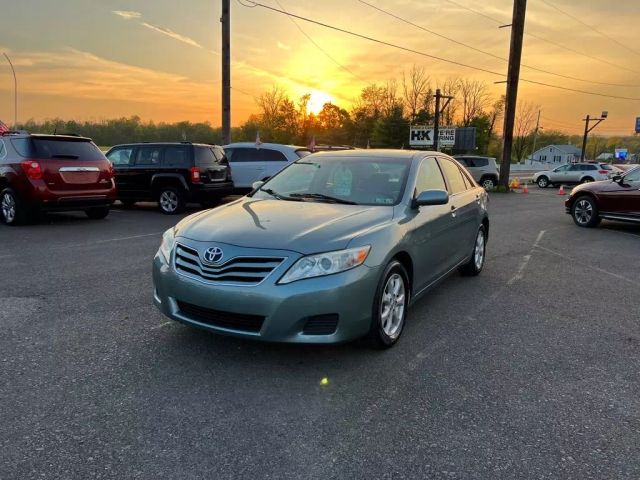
[603,157]
[557,154]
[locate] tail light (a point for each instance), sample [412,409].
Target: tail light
[603,172]
[195,174]
[110,169]
[32,169]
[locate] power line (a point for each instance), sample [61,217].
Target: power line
[537,69]
[330,57]
[576,19]
[453,62]
[542,39]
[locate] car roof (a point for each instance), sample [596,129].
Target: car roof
[273,146]
[47,136]
[140,144]
[375,153]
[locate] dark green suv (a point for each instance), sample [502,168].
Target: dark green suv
[171,174]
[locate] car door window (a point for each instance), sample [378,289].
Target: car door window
[177,156]
[633,176]
[267,155]
[148,156]
[429,176]
[243,155]
[467,162]
[120,157]
[3,150]
[454,176]
[480,162]
[563,168]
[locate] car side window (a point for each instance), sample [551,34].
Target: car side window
[563,168]
[429,176]
[575,168]
[633,176]
[120,157]
[22,146]
[267,155]
[148,156]
[3,150]
[480,162]
[176,156]
[467,162]
[454,176]
[243,154]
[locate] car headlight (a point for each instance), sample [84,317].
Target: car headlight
[326,264]
[168,240]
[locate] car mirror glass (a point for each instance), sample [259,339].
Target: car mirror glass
[617,178]
[432,197]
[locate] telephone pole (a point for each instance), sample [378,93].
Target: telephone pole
[513,77]
[15,92]
[586,121]
[226,72]
[535,136]
[436,119]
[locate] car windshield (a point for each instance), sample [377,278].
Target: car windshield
[361,180]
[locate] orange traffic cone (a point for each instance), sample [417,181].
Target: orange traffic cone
[525,189]
[561,191]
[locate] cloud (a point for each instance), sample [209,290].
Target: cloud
[127,14]
[170,33]
[283,46]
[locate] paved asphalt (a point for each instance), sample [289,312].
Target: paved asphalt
[529,371]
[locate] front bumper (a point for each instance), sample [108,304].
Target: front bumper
[285,308]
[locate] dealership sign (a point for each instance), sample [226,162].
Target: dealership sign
[422,136]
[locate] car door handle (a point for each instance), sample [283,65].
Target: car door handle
[454,210]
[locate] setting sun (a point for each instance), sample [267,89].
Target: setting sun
[317,101]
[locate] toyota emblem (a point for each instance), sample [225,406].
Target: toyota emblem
[212,255]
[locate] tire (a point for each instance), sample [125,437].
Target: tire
[584,212]
[478,255]
[488,183]
[97,213]
[393,287]
[171,200]
[12,209]
[128,203]
[587,180]
[543,182]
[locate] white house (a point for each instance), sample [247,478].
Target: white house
[557,154]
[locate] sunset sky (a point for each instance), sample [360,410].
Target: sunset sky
[159,59]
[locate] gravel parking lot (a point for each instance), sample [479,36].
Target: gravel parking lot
[529,371]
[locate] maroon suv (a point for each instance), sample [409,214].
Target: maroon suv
[52,173]
[615,199]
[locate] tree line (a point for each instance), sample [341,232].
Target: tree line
[379,117]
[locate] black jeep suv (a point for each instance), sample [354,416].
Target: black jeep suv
[171,174]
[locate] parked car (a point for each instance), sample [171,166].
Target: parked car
[46,173]
[616,199]
[251,162]
[334,247]
[483,169]
[573,173]
[171,174]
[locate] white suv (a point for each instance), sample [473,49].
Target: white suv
[573,173]
[251,163]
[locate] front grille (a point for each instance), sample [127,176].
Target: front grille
[216,318]
[321,325]
[237,270]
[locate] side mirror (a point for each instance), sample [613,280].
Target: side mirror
[617,178]
[432,197]
[257,185]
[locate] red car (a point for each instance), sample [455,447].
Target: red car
[615,199]
[52,173]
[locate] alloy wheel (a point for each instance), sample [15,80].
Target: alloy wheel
[479,251]
[543,182]
[488,184]
[583,211]
[393,303]
[8,206]
[169,201]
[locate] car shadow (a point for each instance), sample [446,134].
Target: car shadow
[622,227]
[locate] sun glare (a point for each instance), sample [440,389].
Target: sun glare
[317,101]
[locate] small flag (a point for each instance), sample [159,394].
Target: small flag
[3,127]
[312,144]
[258,141]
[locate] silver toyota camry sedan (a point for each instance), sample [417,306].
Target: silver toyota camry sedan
[333,248]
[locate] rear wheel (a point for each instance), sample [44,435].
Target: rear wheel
[390,306]
[97,213]
[12,210]
[585,212]
[171,200]
[475,264]
[543,182]
[488,183]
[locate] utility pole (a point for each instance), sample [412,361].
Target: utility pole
[436,119]
[15,92]
[535,135]
[226,72]
[586,121]
[513,77]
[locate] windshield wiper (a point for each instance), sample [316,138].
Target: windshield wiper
[322,196]
[277,195]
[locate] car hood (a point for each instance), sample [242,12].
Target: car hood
[304,227]
[599,186]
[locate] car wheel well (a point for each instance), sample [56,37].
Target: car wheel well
[405,259]
[587,179]
[488,175]
[158,185]
[485,222]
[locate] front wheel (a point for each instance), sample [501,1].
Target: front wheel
[97,213]
[543,182]
[585,212]
[171,201]
[390,306]
[475,264]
